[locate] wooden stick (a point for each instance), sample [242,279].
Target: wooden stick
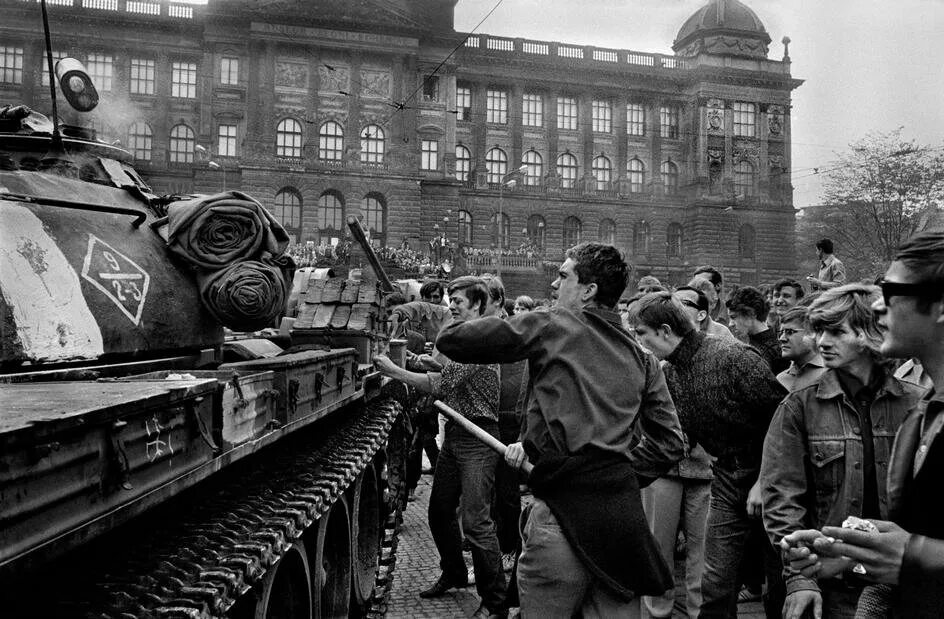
[478,432]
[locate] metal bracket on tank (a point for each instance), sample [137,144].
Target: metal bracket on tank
[341,374]
[191,408]
[117,461]
[319,384]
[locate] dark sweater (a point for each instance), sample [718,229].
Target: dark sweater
[725,395]
[768,346]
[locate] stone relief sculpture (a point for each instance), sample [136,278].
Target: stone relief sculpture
[333,79]
[289,74]
[376,84]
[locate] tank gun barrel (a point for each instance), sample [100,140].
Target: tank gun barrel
[358,232]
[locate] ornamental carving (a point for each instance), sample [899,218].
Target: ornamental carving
[376,84]
[745,152]
[333,78]
[715,155]
[715,121]
[775,162]
[775,120]
[715,104]
[289,74]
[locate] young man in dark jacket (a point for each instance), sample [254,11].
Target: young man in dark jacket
[598,417]
[906,554]
[725,394]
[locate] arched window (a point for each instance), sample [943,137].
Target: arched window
[182,143]
[744,179]
[330,141]
[330,216]
[463,162]
[670,178]
[602,171]
[636,172]
[287,209]
[373,144]
[746,241]
[641,237]
[608,231]
[464,230]
[534,171]
[537,230]
[567,171]
[288,138]
[139,140]
[501,234]
[374,211]
[496,165]
[673,240]
[572,231]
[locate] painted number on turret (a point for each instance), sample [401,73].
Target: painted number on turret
[118,277]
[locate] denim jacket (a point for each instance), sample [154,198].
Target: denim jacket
[811,474]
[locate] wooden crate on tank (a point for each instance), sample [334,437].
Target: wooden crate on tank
[311,383]
[245,406]
[77,458]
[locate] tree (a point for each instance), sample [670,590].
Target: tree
[881,192]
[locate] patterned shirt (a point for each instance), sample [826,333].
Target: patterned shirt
[473,390]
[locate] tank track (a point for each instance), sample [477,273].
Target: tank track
[204,562]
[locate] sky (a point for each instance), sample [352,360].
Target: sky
[868,66]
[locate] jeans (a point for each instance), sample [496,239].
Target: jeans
[670,502]
[726,539]
[507,496]
[466,469]
[552,582]
[424,438]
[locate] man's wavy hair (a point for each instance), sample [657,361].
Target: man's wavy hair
[603,265]
[852,303]
[474,288]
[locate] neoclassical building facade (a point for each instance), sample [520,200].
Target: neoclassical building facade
[379,108]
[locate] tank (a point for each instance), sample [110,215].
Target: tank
[153,460]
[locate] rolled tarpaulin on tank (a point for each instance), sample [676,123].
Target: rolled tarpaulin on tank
[212,232]
[246,296]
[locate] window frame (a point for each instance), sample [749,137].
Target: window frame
[138,85]
[463,103]
[567,110]
[464,227]
[532,110]
[463,164]
[496,106]
[180,71]
[534,172]
[331,145]
[607,231]
[494,176]
[289,136]
[375,219]
[11,64]
[229,70]
[573,230]
[669,172]
[101,68]
[567,170]
[336,209]
[745,180]
[501,232]
[636,186]
[674,240]
[601,115]
[294,222]
[635,126]
[133,140]
[536,229]
[602,184]
[744,116]
[669,121]
[373,147]
[229,140]
[174,152]
[429,155]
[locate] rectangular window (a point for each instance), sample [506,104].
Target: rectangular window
[142,76]
[532,111]
[56,57]
[229,71]
[496,106]
[431,88]
[635,119]
[183,80]
[430,155]
[567,113]
[669,122]
[226,146]
[602,116]
[745,119]
[463,103]
[101,69]
[11,65]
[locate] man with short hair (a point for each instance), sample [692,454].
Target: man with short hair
[648,283]
[697,306]
[748,309]
[831,273]
[905,554]
[725,394]
[599,422]
[797,347]
[719,312]
[786,294]
[827,450]
[432,292]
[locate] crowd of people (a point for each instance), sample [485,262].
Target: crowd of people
[784,441]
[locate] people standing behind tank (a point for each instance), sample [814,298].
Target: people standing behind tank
[827,450]
[598,417]
[748,310]
[725,394]
[797,346]
[463,482]
[432,292]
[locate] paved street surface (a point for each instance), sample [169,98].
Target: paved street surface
[418,567]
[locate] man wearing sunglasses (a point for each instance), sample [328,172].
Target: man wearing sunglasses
[797,347]
[906,554]
[694,299]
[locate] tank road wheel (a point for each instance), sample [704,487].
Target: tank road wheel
[286,589]
[331,570]
[367,536]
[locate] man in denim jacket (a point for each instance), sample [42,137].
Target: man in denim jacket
[827,449]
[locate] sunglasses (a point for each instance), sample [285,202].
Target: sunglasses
[923,290]
[692,304]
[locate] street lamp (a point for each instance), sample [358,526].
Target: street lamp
[507,179]
[218,166]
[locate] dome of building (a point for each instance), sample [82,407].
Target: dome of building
[723,27]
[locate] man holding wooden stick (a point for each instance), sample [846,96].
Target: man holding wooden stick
[599,423]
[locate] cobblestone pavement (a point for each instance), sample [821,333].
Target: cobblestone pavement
[418,567]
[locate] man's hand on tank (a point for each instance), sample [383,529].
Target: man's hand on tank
[428,363]
[515,455]
[385,365]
